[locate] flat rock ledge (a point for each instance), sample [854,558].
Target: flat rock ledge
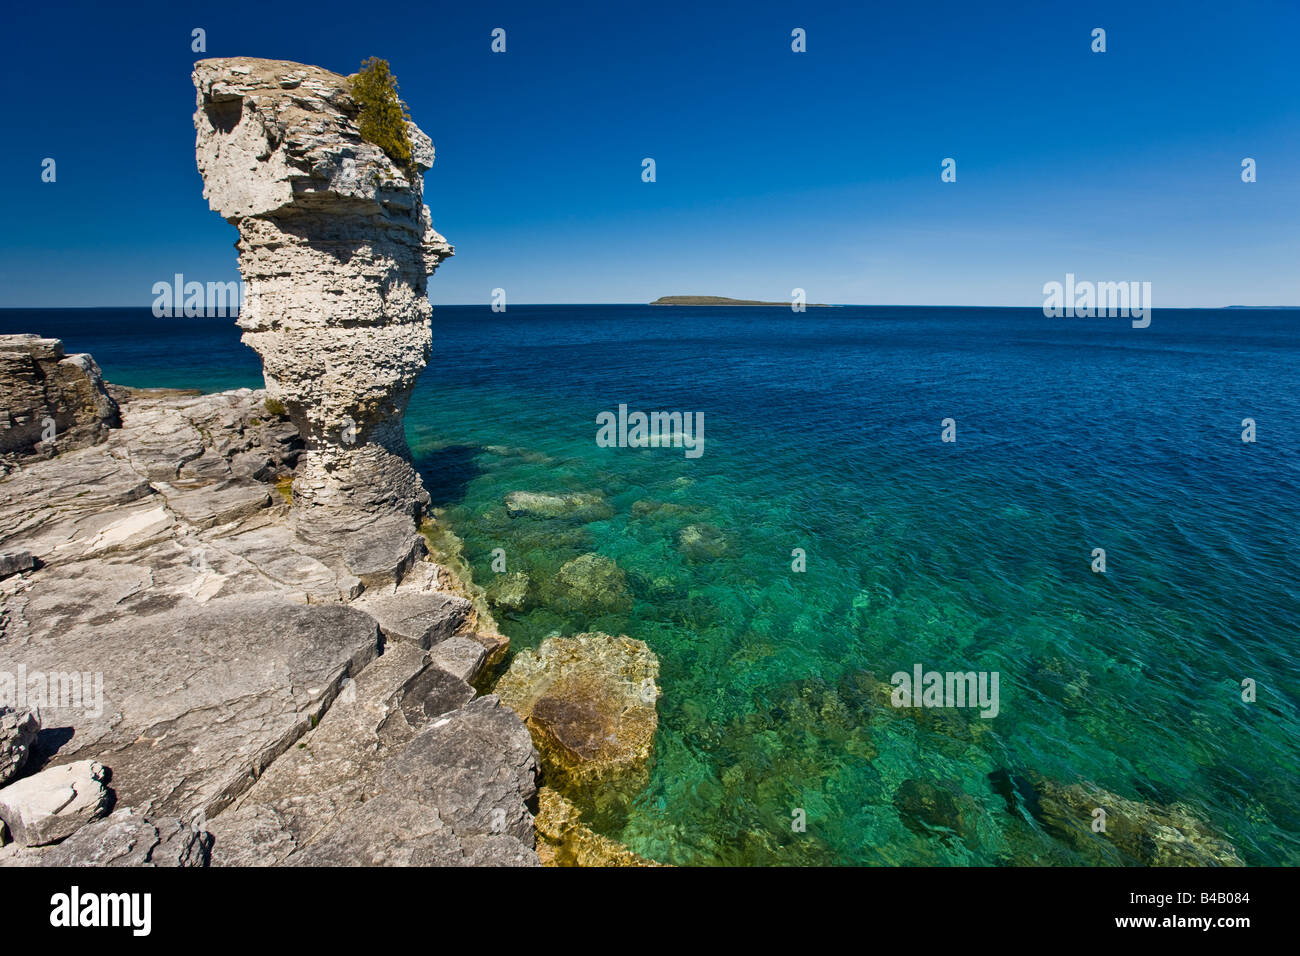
[187,680]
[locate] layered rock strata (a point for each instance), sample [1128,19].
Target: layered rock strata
[49,402]
[228,688]
[335,245]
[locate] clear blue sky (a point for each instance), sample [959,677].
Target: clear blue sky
[775,169]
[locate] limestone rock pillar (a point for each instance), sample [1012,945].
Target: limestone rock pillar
[335,247]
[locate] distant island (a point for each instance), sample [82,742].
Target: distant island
[721,300]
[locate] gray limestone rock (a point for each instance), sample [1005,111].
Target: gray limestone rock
[256,836]
[477,766]
[49,402]
[194,701]
[14,562]
[425,618]
[461,656]
[18,729]
[350,793]
[454,796]
[126,838]
[53,804]
[207,505]
[382,551]
[335,246]
[394,830]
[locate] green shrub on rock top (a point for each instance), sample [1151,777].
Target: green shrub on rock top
[383,116]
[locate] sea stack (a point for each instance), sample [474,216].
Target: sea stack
[335,246]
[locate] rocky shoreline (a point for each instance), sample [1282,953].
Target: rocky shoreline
[266,699]
[233,633]
[223,639]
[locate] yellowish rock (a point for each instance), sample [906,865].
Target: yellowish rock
[1149,834]
[589,702]
[563,839]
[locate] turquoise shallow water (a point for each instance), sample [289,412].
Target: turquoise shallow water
[822,433]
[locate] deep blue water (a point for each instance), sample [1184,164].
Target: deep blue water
[822,432]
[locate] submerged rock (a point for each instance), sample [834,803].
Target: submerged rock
[1061,679]
[509,591]
[660,509]
[1143,833]
[807,729]
[564,840]
[589,702]
[524,454]
[532,504]
[702,542]
[592,583]
[924,806]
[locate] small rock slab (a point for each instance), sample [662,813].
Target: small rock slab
[53,804]
[424,618]
[11,562]
[381,552]
[461,656]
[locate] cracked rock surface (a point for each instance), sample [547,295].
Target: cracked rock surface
[220,606]
[247,697]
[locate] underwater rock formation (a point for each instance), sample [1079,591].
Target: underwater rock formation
[591,583]
[589,702]
[1144,833]
[563,839]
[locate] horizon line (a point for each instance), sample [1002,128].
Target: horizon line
[774,305]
